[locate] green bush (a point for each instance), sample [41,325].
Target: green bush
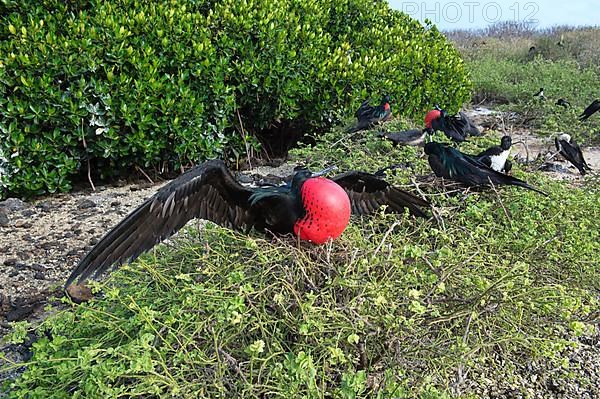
[394,308]
[117,85]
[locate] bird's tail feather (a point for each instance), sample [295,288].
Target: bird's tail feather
[518,182]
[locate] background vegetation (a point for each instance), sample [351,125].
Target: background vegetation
[564,61]
[106,87]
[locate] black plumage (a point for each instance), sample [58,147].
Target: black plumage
[590,110]
[209,191]
[540,94]
[562,103]
[368,115]
[456,127]
[449,163]
[571,151]
[406,137]
[496,157]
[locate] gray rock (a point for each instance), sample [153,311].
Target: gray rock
[13,204]
[4,220]
[86,204]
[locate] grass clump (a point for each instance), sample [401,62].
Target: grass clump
[395,308]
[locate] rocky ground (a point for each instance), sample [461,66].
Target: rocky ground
[42,240]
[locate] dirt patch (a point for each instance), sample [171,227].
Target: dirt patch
[534,148]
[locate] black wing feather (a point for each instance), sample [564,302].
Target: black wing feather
[368,193]
[590,110]
[208,191]
[572,153]
[472,172]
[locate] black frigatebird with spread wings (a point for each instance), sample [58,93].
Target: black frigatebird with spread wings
[449,163]
[314,208]
[455,127]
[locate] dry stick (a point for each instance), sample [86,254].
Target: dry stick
[144,173]
[461,375]
[233,363]
[244,137]
[500,199]
[89,174]
[438,218]
[385,236]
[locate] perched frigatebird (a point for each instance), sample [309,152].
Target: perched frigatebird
[456,128]
[405,137]
[571,151]
[314,208]
[368,115]
[496,157]
[540,94]
[449,163]
[590,110]
[562,102]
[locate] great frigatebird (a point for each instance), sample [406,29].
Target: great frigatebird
[562,102]
[540,94]
[571,151]
[590,110]
[405,137]
[496,157]
[449,163]
[456,127]
[314,208]
[368,115]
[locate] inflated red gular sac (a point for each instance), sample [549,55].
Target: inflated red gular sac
[327,208]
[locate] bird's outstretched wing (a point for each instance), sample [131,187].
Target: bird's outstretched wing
[368,193]
[452,127]
[469,127]
[207,191]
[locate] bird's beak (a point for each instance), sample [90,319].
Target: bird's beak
[518,142]
[324,171]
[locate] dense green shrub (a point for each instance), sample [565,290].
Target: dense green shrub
[113,85]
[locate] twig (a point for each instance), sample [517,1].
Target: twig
[144,173]
[548,159]
[233,363]
[89,174]
[500,199]
[244,138]
[385,236]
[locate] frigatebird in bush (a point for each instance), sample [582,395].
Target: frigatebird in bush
[449,163]
[314,208]
[496,157]
[540,94]
[456,127]
[590,110]
[563,103]
[571,151]
[368,115]
[405,137]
